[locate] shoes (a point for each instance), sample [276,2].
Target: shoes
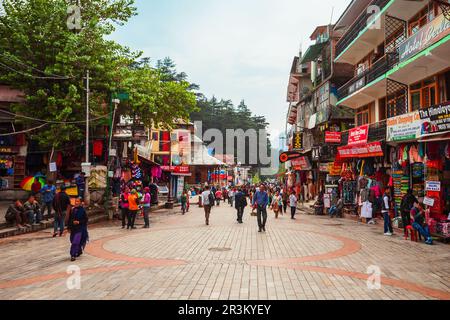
[388,234]
[260,230]
[55,234]
[61,234]
[429,241]
[73,259]
[264,229]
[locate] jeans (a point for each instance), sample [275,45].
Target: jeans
[183,207]
[81,193]
[207,209]
[293,210]
[31,218]
[146,218]
[262,216]
[387,223]
[124,216]
[59,223]
[332,211]
[285,204]
[424,231]
[49,207]
[131,218]
[240,213]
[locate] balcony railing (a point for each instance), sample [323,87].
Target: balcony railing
[377,131]
[359,25]
[378,69]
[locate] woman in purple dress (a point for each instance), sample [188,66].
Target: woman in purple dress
[77,226]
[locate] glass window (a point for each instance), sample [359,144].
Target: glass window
[415,101]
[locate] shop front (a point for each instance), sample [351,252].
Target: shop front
[11,167]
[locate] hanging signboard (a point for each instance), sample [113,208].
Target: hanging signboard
[333,137]
[358,136]
[290,155]
[427,35]
[436,118]
[364,151]
[301,164]
[298,141]
[404,127]
[428,201]
[433,186]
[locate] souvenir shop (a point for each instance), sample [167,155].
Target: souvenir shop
[364,176]
[7,164]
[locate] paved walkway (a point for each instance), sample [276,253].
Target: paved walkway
[181,258]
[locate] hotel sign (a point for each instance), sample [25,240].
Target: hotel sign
[404,127]
[358,136]
[430,33]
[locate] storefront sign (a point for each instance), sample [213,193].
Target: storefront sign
[433,186]
[298,141]
[428,201]
[53,167]
[364,151]
[436,119]
[290,155]
[432,32]
[301,164]
[357,85]
[404,127]
[176,169]
[333,137]
[335,169]
[358,136]
[324,167]
[9,149]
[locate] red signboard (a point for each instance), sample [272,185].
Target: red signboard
[301,164]
[176,169]
[358,136]
[364,151]
[333,137]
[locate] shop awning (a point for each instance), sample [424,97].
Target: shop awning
[435,137]
[368,150]
[313,52]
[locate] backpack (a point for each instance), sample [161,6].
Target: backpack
[211,198]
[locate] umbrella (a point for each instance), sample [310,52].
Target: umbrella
[28,182]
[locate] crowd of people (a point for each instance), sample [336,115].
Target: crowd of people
[57,204]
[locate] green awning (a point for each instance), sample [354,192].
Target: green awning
[313,52]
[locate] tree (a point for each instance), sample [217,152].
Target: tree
[42,57]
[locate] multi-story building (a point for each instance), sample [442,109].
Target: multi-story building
[400,92]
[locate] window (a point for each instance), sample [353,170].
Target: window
[424,94]
[397,104]
[362,116]
[426,15]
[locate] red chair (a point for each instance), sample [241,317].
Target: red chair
[413,232]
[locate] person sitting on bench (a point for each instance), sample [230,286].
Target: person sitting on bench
[16,214]
[336,210]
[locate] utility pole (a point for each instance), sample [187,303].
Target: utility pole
[87,164]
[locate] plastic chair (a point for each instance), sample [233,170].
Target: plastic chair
[413,232]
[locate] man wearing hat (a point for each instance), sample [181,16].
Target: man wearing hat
[146,204]
[61,204]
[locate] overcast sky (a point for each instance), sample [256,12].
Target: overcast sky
[234,49]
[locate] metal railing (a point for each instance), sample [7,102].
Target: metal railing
[361,22]
[360,81]
[377,131]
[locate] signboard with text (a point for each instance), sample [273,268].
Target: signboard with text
[364,151]
[436,118]
[333,137]
[427,35]
[301,164]
[358,136]
[433,186]
[404,127]
[298,141]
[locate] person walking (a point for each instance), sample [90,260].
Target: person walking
[231,196]
[218,197]
[293,204]
[261,200]
[81,185]
[184,200]
[240,204]
[61,203]
[386,207]
[48,194]
[407,204]
[146,204]
[285,198]
[277,204]
[124,205]
[208,202]
[133,209]
[77,226]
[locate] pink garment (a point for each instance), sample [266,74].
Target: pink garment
[156,172]
[377,190]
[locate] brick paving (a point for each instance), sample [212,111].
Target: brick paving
[181,258]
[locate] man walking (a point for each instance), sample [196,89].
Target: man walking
[208,201]
[240,204]
[48,194]
[293,204]
[61,203]
[388,230]
[261,200]
[285,198]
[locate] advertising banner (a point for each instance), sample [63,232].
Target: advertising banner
[358,136]
[436,118]
[364,151]
[404,127]
[333,137]
[301,164]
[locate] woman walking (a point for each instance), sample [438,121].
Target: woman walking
[277,204]
[124,206]
[77,226]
